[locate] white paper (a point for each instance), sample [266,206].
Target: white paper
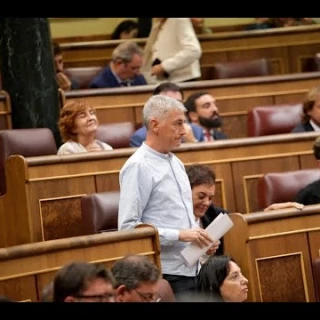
[216,230]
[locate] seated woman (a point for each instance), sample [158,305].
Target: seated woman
[310,112]
[220,280]
[78,125]
[202,181]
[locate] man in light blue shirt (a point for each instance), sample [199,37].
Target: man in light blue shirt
[155,189]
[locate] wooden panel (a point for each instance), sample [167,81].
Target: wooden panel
[282,278]
[57,204]
[314,240]
[61,218]
[275,250]
[108,182]
[55,179]
[20,289]
[26,269]
[276,57]
[234,98]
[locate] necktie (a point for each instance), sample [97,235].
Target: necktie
[208,136]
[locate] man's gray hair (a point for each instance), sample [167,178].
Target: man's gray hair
[158,106]
[125,51]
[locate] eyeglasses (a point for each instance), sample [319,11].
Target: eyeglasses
[107,297]
[149,297]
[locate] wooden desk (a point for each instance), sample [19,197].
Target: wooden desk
[235,97]
[275,251]
[26,269]
[44,193]
[288,50]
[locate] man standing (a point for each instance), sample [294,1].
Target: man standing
[154,189]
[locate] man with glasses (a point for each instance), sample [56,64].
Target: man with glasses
[137,279]
[124,68]
[83,282]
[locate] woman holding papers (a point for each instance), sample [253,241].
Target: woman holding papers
[202,180]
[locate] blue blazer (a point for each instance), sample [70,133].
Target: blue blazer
[303,127]
[140,135]
[106,79]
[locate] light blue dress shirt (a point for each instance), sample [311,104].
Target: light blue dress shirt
[155,189]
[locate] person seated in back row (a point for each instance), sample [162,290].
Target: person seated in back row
[311,193]
[124,68]
[310,118]
[78,125]
[63,80]
[194,133]
[203,111]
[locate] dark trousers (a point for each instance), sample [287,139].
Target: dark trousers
[183,287]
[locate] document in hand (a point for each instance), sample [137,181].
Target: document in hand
[216,229]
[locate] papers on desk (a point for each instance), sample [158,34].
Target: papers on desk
[216,229]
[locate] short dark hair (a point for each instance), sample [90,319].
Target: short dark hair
[125,25]
[167,86]
[74,278]
[56,48]
[316,148]
[132,270]
[200,174]
[190,103]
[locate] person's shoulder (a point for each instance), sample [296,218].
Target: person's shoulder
[218,135]
[67,148]
[310,190]
[140,131]
[104,145]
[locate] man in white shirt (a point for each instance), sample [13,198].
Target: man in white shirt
[154,189]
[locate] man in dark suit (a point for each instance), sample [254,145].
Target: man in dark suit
[124,68]
[194,133]
[202,111]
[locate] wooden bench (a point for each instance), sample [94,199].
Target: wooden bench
[288,50]
[43,199]
[275,251]
[26,269]
[235,98]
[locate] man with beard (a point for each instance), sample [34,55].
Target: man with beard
[202,110]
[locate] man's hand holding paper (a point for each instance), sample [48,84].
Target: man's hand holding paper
[217,228]
[197,235]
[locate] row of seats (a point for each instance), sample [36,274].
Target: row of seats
[262,120]
[222,70]
[40,142]
[100,210]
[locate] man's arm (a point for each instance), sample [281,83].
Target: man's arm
[135,190]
